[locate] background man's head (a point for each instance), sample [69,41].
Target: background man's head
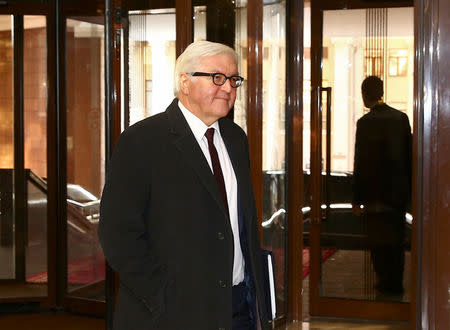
[199,94]
[372,91]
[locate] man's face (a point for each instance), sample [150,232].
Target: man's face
[204,99]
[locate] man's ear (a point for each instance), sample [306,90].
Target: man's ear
[184,83]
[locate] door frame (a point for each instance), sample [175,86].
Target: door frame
[19,9]
[294,156]
[327,306]
[64,11]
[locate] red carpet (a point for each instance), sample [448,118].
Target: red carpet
[83,271]
[326,253]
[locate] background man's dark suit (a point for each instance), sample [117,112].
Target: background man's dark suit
[382,181]
[164,227]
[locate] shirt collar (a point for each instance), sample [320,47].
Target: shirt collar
[198,127]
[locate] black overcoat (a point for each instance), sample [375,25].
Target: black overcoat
[382,167]
[163,227]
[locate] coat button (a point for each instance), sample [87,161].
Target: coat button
[222,284]
[220,236]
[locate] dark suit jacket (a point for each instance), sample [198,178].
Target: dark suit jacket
[382,167]
[164,228]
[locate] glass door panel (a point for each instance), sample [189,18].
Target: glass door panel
[274,222]
[85,155]
[344,272]
[348,263]
[343,236]
[240,46]
[306,138]
[35,150]
[23,234]
[199,23]
[151,62]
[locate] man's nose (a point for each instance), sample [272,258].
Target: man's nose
[227,86]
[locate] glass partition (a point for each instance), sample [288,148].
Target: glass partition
[199,25]
[306,147]
[152,52]
[85,155]
[240,45]
[274,220]
[35,140]
[24,261]
[351,265]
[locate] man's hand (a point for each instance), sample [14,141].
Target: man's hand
[356,210]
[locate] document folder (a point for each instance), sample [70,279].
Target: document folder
[269,283]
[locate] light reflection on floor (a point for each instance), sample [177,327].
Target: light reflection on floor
[319,325]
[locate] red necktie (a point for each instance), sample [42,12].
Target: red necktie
[216,165]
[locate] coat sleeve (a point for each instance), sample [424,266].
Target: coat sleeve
[122,230]
[401,160]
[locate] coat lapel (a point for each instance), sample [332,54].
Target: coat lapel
[188,147]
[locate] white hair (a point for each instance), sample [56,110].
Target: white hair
[189,60]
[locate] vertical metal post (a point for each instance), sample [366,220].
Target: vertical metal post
[20,198]
[109,124]
[61,158]
[294,142]
[184,28]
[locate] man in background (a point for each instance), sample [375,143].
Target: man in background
[382,182]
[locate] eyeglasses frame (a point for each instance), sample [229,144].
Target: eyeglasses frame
[209,74]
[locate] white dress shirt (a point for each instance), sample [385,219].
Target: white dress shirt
[199,128]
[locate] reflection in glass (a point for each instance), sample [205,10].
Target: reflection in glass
[306,134]
[199,23]
[240,45]
[347,266]
[398,62]
[35,139]
[152,52]
[85,156]
[274,166]
[30,274]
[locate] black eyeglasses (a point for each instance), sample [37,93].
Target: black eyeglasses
[219,78]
